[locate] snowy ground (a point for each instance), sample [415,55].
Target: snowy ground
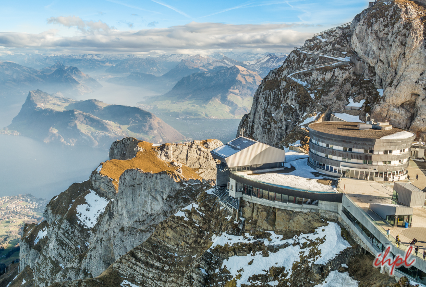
[336,279]
[302,177]
[89,212]
[181,212]
[40,235]
[251,264]
[348,118]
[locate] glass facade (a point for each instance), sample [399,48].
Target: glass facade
[273,196]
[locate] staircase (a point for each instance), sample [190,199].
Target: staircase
[225,199]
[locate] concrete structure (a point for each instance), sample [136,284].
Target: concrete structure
[365,212]
[362,151]
[408,195]
[245,154]
[418,151]
[394,214]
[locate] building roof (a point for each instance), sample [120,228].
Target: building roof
[234,146]
[241,143]
[350,129]
[409,186]
[390,209]
[246,152]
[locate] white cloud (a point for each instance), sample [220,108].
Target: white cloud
[84,26]
[193,36]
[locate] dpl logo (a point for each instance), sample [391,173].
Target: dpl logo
[381,260]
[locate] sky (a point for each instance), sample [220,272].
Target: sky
[165,26]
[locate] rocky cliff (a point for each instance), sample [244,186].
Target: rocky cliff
[92,224]
[375,63]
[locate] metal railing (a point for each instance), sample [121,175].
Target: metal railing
[402,247]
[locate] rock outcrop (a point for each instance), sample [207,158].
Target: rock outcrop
[377,61]
[94,223]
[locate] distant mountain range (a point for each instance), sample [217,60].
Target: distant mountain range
[57,78]
[155,66]
[219,93]
[203,86]
[17,80]
[264,65]
[51,118]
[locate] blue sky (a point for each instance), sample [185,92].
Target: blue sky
[166,25]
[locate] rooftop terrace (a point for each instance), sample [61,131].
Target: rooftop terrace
[362,193]
[350,129]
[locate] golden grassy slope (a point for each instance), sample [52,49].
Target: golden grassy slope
[147,161]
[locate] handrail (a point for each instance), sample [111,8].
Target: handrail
[391,238]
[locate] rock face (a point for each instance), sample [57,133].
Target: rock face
[377,61]
[195,154]
[94,223]
[203,246]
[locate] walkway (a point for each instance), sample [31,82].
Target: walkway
[362,193]
[331,63]
[414,168]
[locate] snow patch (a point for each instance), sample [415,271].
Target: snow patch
[126,283]
[380,92]
[285,257]
[336,279]
[180,213]
[40,235]
[210,191]
[353,104]
[398,135]
[348,118]
[309,120]
[322,39]
[288,180]
[98,170]
[89,212]
[302,177]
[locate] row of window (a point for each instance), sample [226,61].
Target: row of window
[355,150]
[360,174]
[360,161]
[273,196]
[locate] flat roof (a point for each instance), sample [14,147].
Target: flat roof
[350,129]
[241,143]
[409,186]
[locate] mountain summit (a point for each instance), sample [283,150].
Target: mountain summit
[374,65]
[51,118]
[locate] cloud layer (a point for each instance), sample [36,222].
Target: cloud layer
[83,26]
[98,36]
